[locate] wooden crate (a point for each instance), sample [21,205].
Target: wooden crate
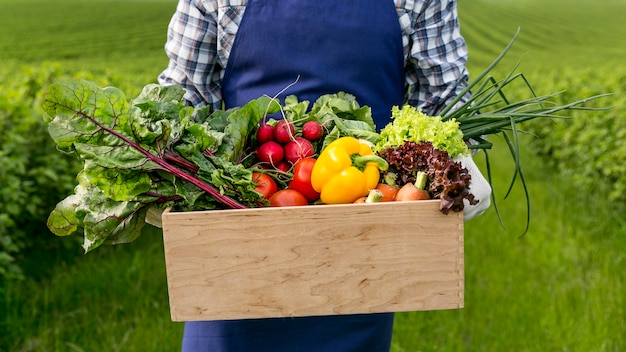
[313,260]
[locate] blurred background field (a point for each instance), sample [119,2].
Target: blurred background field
[558,288]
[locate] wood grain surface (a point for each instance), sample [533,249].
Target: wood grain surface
[313,260]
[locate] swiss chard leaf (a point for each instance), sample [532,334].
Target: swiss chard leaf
[109,221]
[70,106]
[142,153]
[118,184]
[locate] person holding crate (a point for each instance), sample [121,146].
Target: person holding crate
[385,53]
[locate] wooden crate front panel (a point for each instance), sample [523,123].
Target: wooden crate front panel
[314,260]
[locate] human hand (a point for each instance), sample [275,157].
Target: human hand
[479,187]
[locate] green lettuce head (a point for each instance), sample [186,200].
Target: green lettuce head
[410,124]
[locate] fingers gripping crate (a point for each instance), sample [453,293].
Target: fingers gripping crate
[313,260]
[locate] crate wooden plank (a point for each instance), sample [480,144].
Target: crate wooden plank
[313,260]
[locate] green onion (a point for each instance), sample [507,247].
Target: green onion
[488,111]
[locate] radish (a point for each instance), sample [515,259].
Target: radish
[270,152]
[265,133]
[283,166]
[284,131]
[312,130]
[297,149]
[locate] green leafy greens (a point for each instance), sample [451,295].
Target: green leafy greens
[151,151]
[155,152]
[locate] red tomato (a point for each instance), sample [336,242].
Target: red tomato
[302,179]
[286,198]
[264,184]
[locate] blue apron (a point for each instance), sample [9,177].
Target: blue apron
[324,46]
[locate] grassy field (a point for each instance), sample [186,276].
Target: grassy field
[120,36]
[559,288]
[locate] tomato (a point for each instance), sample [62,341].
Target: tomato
[286,198]
[264,184]
[302,179]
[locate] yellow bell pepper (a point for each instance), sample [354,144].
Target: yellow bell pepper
[346,170]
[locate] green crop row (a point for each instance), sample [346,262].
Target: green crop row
[34,176]
[109,30]
[588,148]
[106,41]
[572,47]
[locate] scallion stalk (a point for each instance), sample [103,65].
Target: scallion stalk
[489,111]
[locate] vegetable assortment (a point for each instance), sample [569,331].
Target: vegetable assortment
[156,152]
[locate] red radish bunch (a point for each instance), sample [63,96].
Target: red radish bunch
[280,148]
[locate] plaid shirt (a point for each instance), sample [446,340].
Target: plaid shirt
[201,34]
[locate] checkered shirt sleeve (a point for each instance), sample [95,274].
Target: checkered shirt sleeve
[435,53]
[199,39]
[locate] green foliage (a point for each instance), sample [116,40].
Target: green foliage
[34,175]
[590,147]
[114,299]
[568,46]
[116,48]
